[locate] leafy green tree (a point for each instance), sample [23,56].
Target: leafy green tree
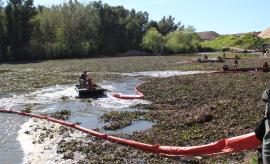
[2,34]
[119,29]
[153,41]
[152,24]
[19,14]
[181,41]
[135,28]
[79,28]
[111,28]
[167,25]
[65,31]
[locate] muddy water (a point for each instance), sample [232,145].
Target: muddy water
[51,99]
[13,145]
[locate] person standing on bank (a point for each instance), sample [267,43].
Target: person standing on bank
[266,137]
[235,63]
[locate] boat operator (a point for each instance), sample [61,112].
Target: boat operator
[89,83]
[83,79]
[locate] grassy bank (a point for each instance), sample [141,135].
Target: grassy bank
[247,41]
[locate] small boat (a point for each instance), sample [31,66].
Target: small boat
[86,93]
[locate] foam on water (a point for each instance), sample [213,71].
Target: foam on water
[54,93]
[26,140]
[10,151]
[46,151]
[42,96]
[165,73]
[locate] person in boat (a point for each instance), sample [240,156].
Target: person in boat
[90,85]
[83,79]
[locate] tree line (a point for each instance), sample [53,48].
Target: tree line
[74,30]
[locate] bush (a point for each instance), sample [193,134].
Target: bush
[181,42]
[153,41]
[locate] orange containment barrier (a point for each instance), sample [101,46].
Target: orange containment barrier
[139,95]
[228,145]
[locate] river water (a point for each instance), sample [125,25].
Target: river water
[13,143]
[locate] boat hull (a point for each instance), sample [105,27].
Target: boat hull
[85,93]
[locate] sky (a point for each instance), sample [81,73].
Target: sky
[222,16]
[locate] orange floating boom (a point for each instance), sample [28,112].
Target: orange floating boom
[228,145]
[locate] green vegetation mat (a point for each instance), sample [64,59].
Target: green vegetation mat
[26,77]
[187,110]
[199,109]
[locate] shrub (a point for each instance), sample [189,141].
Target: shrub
[153,41]
[181,42]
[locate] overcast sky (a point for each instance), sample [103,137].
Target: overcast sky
[222,16]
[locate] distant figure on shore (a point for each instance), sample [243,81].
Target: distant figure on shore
[237,57]
[265,67]
[235,63]
[205,57]
[224,55]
